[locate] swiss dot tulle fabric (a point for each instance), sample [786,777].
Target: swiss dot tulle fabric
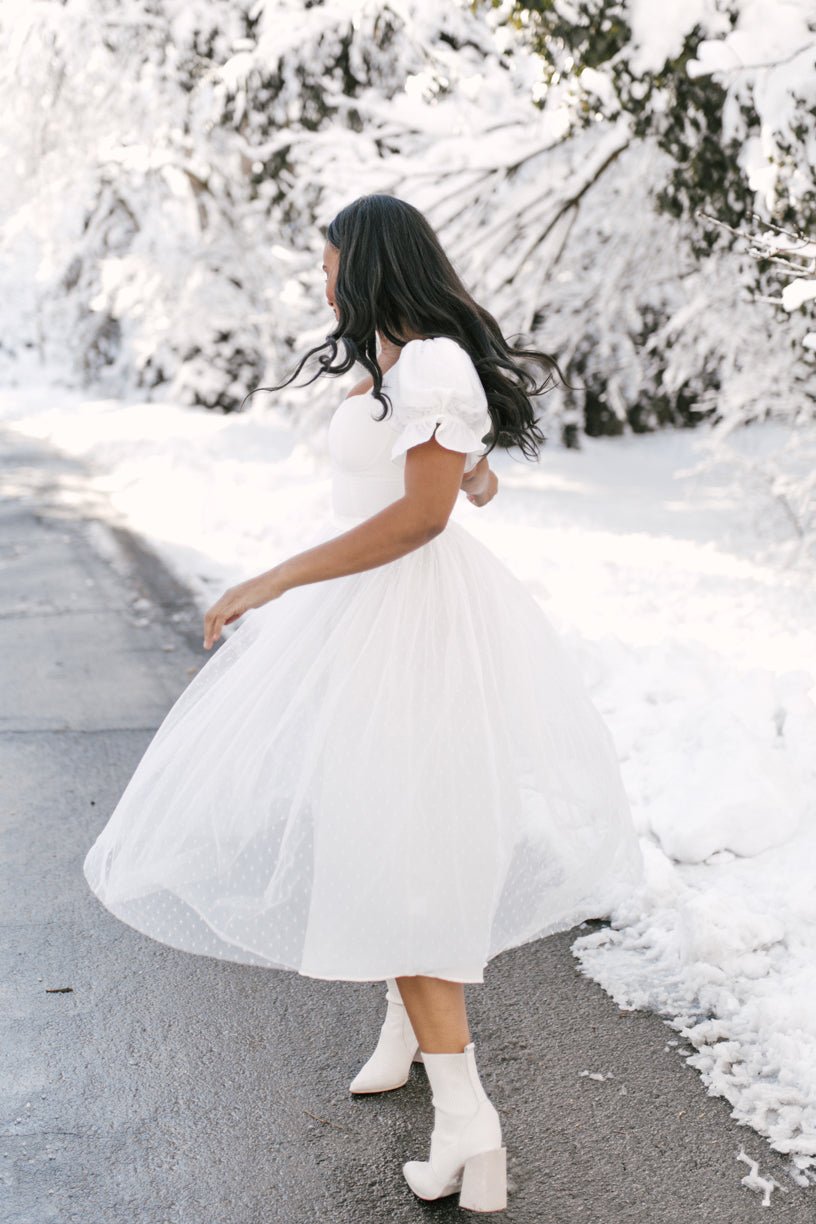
[394,772]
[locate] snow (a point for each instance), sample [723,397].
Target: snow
[797,292]
[659,30]
[697,646]
[766,63]
[754,1181]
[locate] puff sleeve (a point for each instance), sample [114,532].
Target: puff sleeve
[437,391]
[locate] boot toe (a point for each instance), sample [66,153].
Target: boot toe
[424,1182]
[365,1082]
[380,1075]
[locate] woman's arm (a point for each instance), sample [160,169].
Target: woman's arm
[433,478]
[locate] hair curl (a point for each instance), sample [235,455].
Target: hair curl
[393,276]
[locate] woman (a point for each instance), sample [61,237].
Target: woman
[391,770]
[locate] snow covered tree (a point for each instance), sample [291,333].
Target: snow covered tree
[720,100]
[171,167]
[126,189]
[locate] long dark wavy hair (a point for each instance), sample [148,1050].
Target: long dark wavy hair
[393,276]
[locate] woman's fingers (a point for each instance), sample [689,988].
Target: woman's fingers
[481,499]
[239,599]
[226,610]
[212,628]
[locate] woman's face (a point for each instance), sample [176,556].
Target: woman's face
[331,263]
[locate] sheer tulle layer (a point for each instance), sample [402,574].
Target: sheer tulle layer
[395,772]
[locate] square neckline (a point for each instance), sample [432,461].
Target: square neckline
[360,394]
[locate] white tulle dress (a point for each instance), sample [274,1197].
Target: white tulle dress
[394,772]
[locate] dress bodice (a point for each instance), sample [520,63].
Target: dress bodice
[365,478]
[433,388]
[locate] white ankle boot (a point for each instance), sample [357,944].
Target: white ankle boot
[390,1064]
[466,1143]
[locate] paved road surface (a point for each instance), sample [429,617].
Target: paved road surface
[171,1089]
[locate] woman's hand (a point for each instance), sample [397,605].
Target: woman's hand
[238,600]
[481,483]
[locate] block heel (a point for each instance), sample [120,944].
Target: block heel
[484,1182]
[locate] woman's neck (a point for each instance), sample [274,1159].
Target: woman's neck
[389,352]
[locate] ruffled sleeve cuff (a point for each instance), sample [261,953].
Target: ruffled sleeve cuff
[449,431]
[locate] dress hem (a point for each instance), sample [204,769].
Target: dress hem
[257,961]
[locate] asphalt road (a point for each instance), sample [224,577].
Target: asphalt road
[142,1085]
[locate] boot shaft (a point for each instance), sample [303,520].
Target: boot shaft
[455,1084]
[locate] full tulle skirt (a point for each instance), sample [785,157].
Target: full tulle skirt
[390,773]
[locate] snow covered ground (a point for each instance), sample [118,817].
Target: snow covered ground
[697,646]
